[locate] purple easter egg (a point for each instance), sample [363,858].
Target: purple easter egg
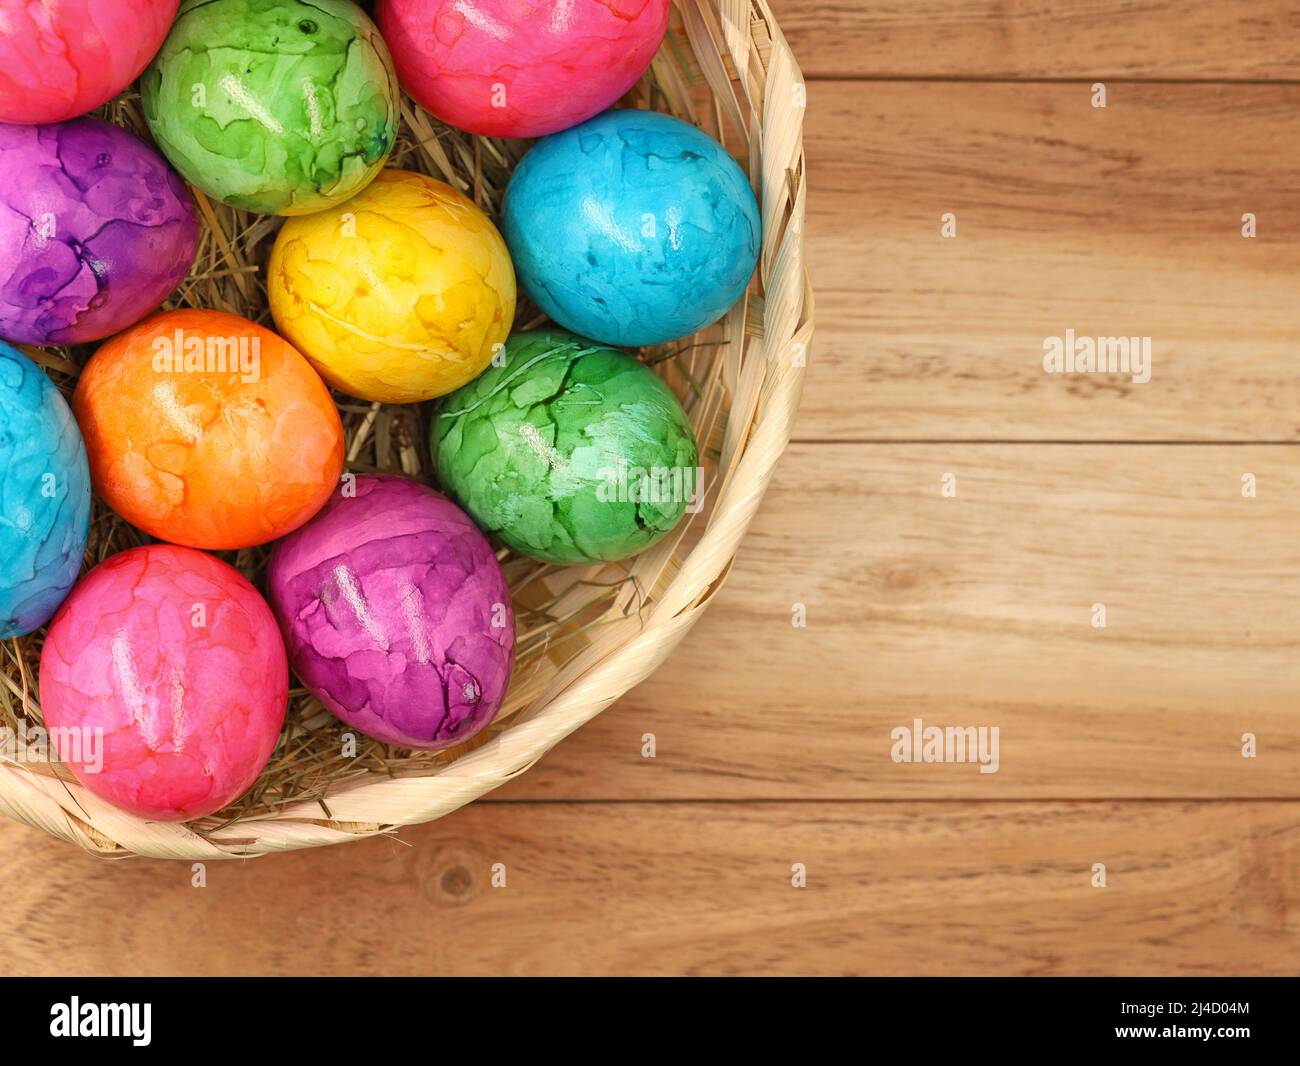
[395,613]
[96,230]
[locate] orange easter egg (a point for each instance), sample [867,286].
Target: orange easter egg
[205,429]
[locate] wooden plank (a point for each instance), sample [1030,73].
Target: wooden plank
[1117,222]
[976,610]
[1142,39]
[696,889]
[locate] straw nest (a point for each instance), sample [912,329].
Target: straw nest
[585,634]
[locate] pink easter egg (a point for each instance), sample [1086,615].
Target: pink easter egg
[62,58]
[164,682]
[520,68]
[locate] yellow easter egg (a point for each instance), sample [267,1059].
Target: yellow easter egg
[401,294]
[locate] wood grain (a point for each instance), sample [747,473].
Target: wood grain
[976,610]
[1122,222]
[697,889]
[1141,39]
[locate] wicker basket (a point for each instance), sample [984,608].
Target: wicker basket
[727,67]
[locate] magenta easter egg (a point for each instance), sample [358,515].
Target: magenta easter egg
[520,68]
[62,58]
[396,614]
[164,682]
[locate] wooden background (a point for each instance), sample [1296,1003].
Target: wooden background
[1119,746]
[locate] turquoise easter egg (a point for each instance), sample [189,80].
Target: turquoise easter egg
[44,496]
[633,228]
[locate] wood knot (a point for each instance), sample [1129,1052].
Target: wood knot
[453,875]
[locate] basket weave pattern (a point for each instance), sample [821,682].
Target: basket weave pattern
[727,67]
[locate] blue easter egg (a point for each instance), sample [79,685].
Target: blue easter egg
[633,228]
[44,496]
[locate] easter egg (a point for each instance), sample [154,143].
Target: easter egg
[634,228]
[400,295]
[572,452]
[275,106]
[44,496]
[520,68]
[396,614]
[164,682]
[205,429]
[96,231]
[59,60]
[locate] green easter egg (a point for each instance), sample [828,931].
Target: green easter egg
[275,106]
[570,452]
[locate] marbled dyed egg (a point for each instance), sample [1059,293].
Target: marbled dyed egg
[634,228]
[275,106]
[520,68]
[396,614]
[44,496]
[400,295]
[572,452]
[207,430]
[62,59]
[164,682]
[96,230]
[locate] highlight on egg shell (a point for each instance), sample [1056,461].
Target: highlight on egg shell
[62,60]
[400,295]
[570,452]
[520,68]
[164,682]
[396,614]
[634,228]
[274,106]
[207,430]
[96,231]
[44,496]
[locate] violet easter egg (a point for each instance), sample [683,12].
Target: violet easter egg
[520,68]
[634,228]
[44,496]
[396,614]
[96,230]
[205,429]
[164,682]
[62,59]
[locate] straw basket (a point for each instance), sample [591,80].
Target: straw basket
[586,635]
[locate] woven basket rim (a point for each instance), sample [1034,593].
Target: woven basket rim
[757,85]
